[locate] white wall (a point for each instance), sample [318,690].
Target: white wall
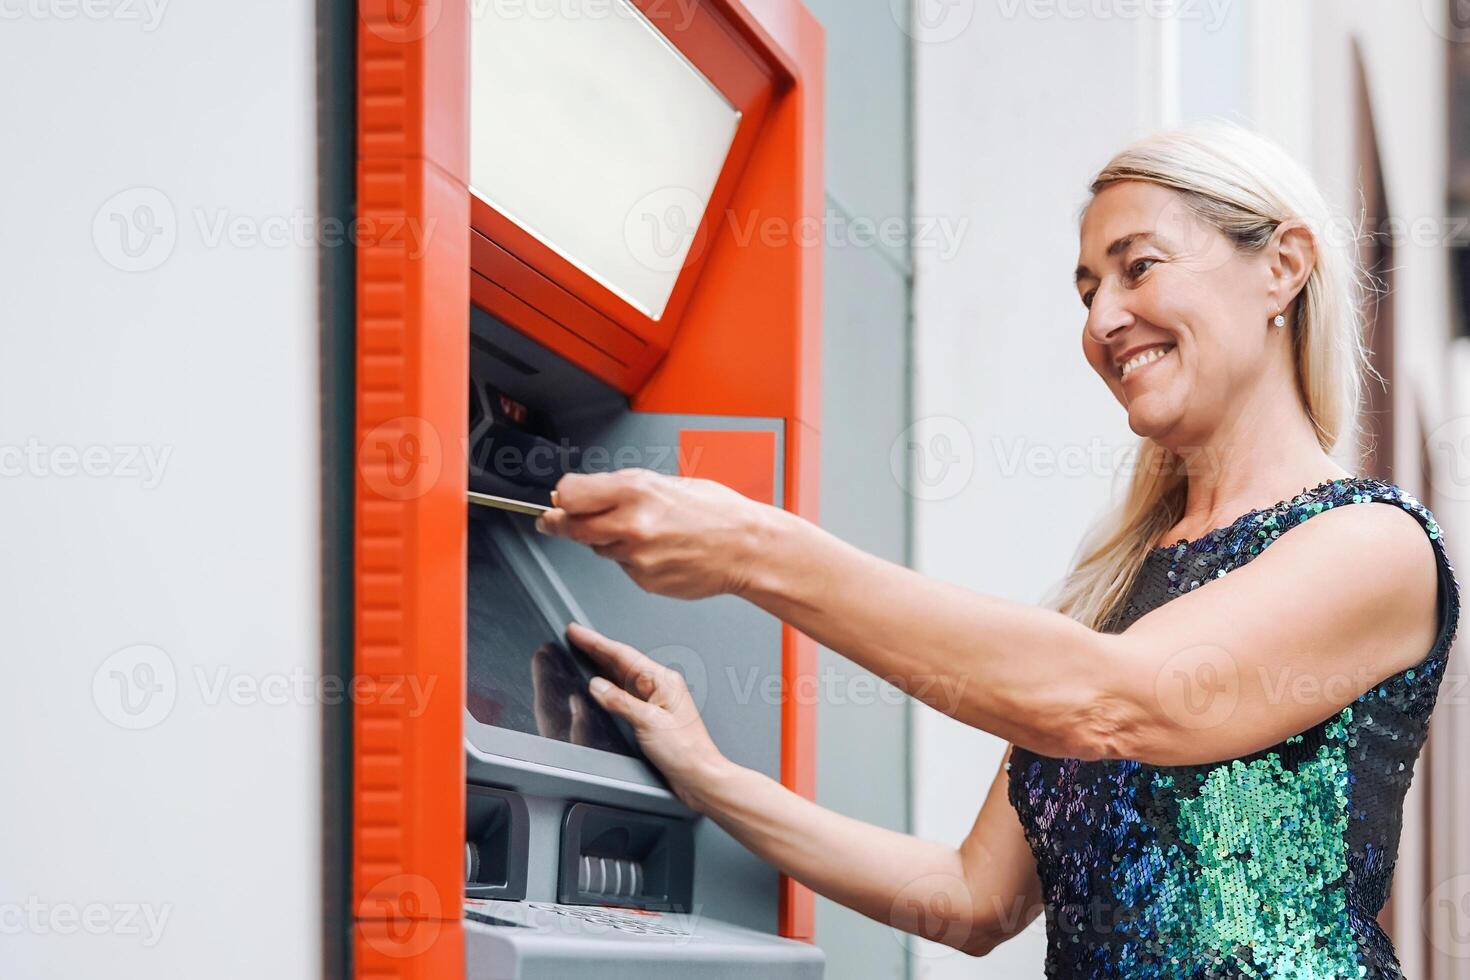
[154,825]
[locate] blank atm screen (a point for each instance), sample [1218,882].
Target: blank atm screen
[521,675]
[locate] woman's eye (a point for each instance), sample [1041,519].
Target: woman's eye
[1087,298]
[1135,270]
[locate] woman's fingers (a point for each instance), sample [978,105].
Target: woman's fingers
[597,508]
[641,677]
[634,670]
[594,530]
[618,659]
[620,702]
[618,551]
[593,493]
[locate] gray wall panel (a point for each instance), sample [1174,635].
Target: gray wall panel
[862,740]
[867,112]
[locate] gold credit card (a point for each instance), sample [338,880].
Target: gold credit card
[508,503]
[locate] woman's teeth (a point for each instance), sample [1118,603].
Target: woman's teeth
[1147,357]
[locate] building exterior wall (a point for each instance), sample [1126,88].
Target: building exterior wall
[162,586]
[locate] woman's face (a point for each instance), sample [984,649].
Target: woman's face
[1177,319]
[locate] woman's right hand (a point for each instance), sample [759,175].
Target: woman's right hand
[675,536]
[655,701]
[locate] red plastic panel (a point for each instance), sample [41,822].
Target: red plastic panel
[412,335]
[744,461]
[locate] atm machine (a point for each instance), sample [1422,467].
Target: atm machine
[589,238]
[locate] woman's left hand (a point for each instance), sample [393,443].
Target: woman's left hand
[676,536]
[656,703]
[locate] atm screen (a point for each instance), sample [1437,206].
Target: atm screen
[521,674]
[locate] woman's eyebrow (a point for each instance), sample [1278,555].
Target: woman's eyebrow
[1121,245]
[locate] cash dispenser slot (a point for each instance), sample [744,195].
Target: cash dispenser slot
[496,843]
[620,857]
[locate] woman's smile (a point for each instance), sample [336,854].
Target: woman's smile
[1137,363]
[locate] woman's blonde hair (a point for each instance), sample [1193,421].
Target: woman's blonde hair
[1245,186]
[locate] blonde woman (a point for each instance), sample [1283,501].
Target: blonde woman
[1213,730]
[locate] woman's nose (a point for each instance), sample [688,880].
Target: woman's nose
[1107,315]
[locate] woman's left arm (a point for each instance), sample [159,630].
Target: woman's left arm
[1269,650]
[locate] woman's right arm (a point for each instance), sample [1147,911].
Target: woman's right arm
[971,897]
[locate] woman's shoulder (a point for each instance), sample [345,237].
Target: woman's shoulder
[1369,542]
[1254,531]
[1394,545]
[1362,490]
[1390,545]
[1403,530]
[1262,527]
[1406,529]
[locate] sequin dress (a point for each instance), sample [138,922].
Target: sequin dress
[1274,864]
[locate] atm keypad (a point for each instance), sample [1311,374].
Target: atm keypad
[643,923]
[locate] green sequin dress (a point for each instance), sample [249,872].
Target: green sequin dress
[1274,864]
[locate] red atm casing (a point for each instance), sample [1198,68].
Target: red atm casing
[740,336]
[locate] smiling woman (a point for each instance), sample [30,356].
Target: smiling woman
[1215,724]
[1185,248]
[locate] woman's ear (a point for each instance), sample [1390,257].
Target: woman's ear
[1291,256]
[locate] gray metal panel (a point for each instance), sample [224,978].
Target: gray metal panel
[864,375]
[523,369]
[336,109]
[728,650]
[651,439]
[864,365]
[521,761]
[867,110]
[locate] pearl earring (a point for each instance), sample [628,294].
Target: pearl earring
[1280,320]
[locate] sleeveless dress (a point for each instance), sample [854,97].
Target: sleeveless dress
[1274,864]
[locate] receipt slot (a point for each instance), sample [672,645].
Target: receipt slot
[556,273]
